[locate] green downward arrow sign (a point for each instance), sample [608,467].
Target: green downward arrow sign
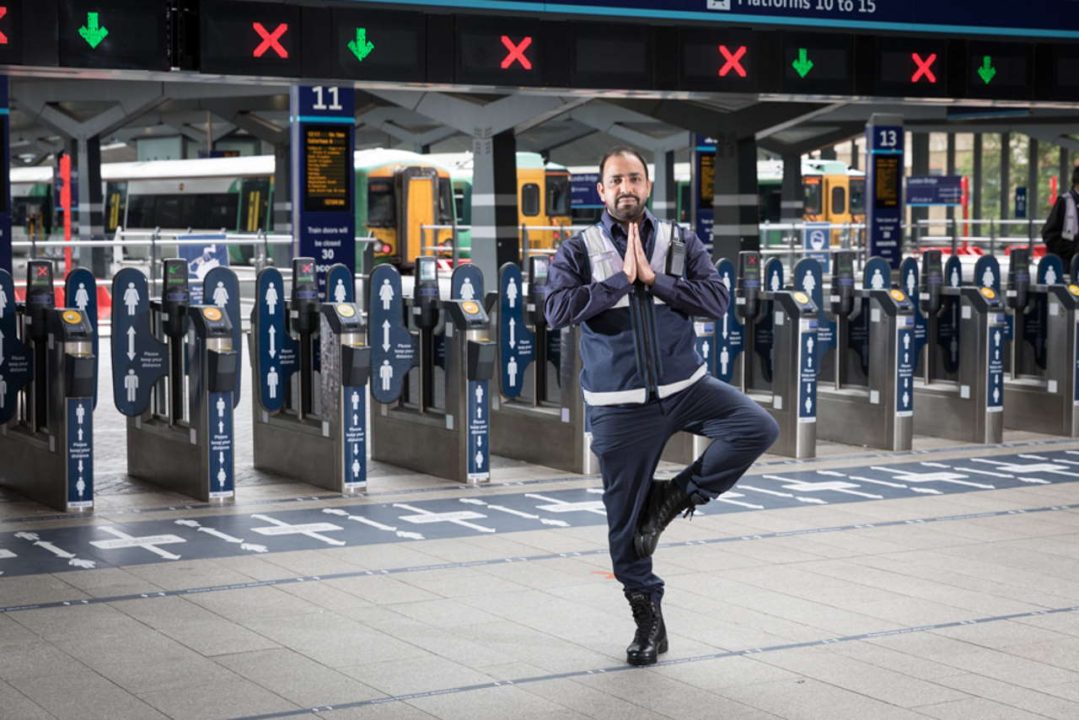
[803,64]
[91,32]
[361,47]
[987,72]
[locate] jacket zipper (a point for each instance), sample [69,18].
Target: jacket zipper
[647,334]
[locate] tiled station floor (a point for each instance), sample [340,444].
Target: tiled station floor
[942,583]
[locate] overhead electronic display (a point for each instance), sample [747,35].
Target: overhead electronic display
[501,51]
[365,45]
[1058,72]
[817,64]
[328,159]
[999,70]
[912,66]
[606,59]
[724,60]
[250,38]
[122,34]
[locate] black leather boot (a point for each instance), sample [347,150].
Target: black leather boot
[665,502]
[651,637]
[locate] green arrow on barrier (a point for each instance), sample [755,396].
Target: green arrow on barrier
[987,72]
[361,47]
[91,32]
[803,64]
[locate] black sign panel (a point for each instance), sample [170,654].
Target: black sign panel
[1058,72]
[817,64]
[250,38]
[720,60]
[507,51]
[916,67]
[328,160]
[999,70]
[613,57]
[127,34]
[365,45]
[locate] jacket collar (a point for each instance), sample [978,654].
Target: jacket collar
[616,232]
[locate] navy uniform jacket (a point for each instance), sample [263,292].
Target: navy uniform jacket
[645,348]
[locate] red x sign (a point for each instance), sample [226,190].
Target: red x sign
[516,52]
[923,68]
[3,37]
[270,40]
[732,61]
[42,271]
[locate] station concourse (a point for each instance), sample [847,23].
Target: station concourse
[285,431]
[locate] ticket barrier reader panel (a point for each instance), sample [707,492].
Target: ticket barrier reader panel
[965,340]
[48,381]
[309,424]
[1040,389]
[534,419]
[869,404]
[449,439]
[175,375]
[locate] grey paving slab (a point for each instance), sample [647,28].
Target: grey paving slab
[809,699]
[85,694]
[417,674]
[977,708]
[332,640]
[590,702]
[1046,702]
[390,711]
[17,705]
[297,678]
[230,697]
[493,704]
[194,627]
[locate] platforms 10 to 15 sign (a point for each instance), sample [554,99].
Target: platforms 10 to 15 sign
[371,43]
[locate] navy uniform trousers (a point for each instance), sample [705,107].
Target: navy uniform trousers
[628,441]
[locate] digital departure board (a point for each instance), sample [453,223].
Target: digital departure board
[888,170]
[122,34]
[250,38]
[706,164]
[328,161]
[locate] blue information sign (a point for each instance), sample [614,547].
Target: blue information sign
[5,168]
[908,280]
[729,339]
[479,451]
[276,352]
[210,253]
[139,360]
[516,343]
[702,187]
[808,278]
[705,343]
[466,283]
[994,398]
[80,453]
[1051,270]
[16,359]
[80,292]
[948,327]
[1020,202]
[220,448]
[884,191]
[987,273]
[220,287]
[323,220]
[765,335]
[926,190]
[354,436]
[816,238]
[807,375]
[340,285]
[393,350]
[904,371]
[583,193]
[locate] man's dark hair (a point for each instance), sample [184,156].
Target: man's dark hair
[621,150]
[1075,175]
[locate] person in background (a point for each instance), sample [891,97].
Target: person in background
[1062,226]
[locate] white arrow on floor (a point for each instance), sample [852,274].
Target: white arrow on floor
[518,513]
[58,552]
[374,523]
[251,547]
[777,493]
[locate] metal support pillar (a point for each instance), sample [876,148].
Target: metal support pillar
[494,202]
[976,181]
[735,196]
[91,210]
[920,167]
[855,157]
[949,168]
[792,202]
[282,202]
[1032,178]
[665,191]
[1065,170]
[1005,174]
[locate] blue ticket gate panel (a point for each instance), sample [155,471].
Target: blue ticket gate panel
[48,382]
[175,374]
[439,423]
[866,391]
[959,391]
[310,423]
[538,415]
[1041,382]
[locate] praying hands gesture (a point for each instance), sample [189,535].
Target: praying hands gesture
[635,265]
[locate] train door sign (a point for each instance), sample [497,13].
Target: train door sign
[16,359]
[516,343]
[728,336]
[323,175]
[139,360]
[276,353]
[393,351]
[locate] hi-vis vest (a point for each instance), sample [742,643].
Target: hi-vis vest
[640,344]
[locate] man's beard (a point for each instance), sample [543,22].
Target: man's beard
[626,213]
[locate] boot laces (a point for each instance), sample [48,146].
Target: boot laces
[644,615]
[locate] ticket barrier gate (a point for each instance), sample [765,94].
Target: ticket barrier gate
[959,388]
[433,387]
[175,377]
[539,413]
[865,354]
[312,431]
[48,386]
[1040,389]
[765,346]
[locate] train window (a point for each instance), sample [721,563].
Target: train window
[445,202]
[814,203]
[380,204]
[857,196]
[839,200]
[558,195]
[530,200]
[213,212]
